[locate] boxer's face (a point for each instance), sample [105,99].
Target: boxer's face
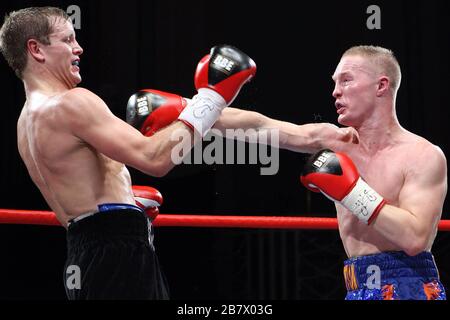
[355,90]
[62,54]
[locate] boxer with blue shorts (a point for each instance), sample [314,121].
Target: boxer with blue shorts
[393,276]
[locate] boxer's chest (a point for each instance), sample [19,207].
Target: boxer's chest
[384,172]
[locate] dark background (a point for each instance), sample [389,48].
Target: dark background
[156,44]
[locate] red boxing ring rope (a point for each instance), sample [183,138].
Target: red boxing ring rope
[48,218]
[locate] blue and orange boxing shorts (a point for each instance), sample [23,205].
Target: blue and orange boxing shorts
[393,276]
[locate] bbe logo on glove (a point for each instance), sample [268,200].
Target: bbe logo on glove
[218,79]
[225,70]
[321,160]
[151,110]
[335,175]
[224,64]
[142,106]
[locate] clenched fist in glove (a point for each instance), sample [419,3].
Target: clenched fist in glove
[335,175]
[151,110]
[218,79]
[148,199]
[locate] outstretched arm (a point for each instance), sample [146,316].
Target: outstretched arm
[93,123]
[307,138]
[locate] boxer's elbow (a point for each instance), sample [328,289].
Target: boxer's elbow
[162,170]
[154,171]
[417,236]
[158,167]
[416,245]
[155,163]
[414,251]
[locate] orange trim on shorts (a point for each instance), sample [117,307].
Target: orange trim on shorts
[388,292]
[431,290]
[350,277]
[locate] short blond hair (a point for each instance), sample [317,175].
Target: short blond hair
[384,59]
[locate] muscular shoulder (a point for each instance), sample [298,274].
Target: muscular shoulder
[426,158]
[81,107]
[432,155]
[80,98]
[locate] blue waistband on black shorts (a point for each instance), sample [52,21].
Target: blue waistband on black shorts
[108,207]
[111,220]
[105,207]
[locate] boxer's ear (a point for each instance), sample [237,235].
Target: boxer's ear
[34,48]
[383,86]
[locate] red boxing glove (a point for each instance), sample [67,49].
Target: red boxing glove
[148,199]
[151,110]
[225,70]
[336,176]
[218,79]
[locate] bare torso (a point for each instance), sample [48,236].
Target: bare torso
[386,172]
[71,175]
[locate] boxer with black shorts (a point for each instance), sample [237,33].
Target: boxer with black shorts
[120,236]
[76,150]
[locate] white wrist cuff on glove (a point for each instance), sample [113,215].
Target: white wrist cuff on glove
[203,110]
[363,201]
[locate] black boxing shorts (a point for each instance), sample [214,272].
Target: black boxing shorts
[110,255]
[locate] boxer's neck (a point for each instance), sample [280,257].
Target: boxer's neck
[380,131]
[46,85]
